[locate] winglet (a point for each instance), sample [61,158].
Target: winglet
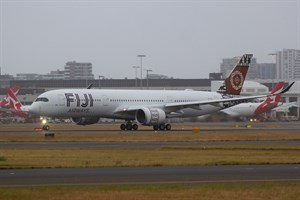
[286,89]
[90,86]
[235,81]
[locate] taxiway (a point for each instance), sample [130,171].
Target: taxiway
[151,175]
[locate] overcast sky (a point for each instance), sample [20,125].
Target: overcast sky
[182,39]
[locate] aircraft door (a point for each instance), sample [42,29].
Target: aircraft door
[169,99]
[105,100]
[60,105]
[61,100]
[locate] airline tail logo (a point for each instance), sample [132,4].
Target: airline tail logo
[11,98]
[235,81]
[270,102]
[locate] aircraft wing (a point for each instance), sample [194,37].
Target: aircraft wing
[223,103]
[229,101]
[216,102]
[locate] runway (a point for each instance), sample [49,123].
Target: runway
[137,145]
[221,127]
[149,175]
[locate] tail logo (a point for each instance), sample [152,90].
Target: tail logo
[236,80]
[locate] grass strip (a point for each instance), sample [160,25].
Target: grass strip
[166,156]
[274,191]
[149,137]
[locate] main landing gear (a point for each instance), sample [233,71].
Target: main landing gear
[129,126]
[162,127]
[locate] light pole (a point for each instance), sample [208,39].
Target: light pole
[274,60]
[147,71]
[141,56]
[135,68]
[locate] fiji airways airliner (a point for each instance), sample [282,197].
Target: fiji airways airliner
[141,107]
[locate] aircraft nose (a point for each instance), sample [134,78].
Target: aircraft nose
[35,109]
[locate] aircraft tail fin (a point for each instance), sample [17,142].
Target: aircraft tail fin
[14,102]
[272,101]
[277,89]
[234,82]
[6,100]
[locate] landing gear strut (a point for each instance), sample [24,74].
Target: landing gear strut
[129,126]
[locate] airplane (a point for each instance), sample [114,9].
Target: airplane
[142,107]
[255,108]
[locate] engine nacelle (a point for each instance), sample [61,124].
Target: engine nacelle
[150,116]
[85,120]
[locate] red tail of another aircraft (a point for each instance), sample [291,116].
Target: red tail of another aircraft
[13,100]
[270,102]
[12,92]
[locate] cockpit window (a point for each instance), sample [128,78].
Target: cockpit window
[43,99]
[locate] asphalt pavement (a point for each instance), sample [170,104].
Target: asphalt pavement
[151,175]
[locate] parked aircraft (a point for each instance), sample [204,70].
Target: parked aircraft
[252,109]
[145,107]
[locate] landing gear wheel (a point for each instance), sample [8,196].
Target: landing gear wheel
[135,127]
[162,127]
[46,127]
[155,127]
[123,127]
[168,127]
[129,127]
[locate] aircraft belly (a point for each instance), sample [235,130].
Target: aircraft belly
[249,111]
[207,109]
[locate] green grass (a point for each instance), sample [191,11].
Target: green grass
[165,156]
[2,158]
[274,191]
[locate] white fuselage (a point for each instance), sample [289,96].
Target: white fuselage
[110,103]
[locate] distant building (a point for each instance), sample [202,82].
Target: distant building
[215,76]
[157,76]
[54,75]
[28,76]
[228,64]
[266,70]
[78,70]
[6,77]
[288,64]
[5,80]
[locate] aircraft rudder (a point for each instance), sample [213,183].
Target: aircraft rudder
[234,82]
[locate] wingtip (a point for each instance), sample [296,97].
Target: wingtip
[287,88]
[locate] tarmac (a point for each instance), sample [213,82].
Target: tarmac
[151,175]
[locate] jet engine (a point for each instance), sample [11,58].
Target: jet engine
[85,120]
[150,116]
